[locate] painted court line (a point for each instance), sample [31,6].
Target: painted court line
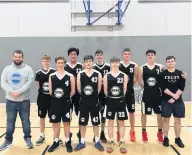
[174,149]
[2,135]
[45,150]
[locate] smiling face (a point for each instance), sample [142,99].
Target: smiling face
[73,56]
[126,55]
[99,57]
[151,57]
[170,63]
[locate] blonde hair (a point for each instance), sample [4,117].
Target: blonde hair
[46,57]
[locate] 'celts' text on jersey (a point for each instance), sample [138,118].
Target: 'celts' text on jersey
[89,84]
[42,77]
[61,88]
[115,85]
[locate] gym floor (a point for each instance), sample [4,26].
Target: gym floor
[137,148]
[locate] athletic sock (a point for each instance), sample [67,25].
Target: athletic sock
[111,139]
[83,140]
[56,140]
[42,135]
[160,130]
[66,140]
[121,140]
[96,139]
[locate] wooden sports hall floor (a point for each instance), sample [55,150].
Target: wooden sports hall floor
[137,148]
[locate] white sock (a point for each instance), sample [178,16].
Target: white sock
[83,140]
[96,139]
[111,139]
[56,140]
[42,135]
[121,140]
[66,140]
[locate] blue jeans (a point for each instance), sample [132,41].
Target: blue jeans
[23,108]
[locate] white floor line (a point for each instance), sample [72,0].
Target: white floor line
[16,139]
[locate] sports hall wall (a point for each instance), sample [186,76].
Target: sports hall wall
[45,28]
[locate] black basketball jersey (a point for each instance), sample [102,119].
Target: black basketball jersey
[115,85]
[61,88]
[103,69]
[150,76]
[129,70]
[73,70]
[42,77]
[89,84]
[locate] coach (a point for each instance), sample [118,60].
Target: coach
[16,80]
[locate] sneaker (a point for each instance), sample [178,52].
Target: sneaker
[5,145]
[179,142]
[110,147]
[54,146]
[29,143]
[144,137]
[79,136]
[79,146]
[132,136]
[160,137]
[102,137]
[40,141]
[122,147]
[60,141]
[166,142]
[99,146]
[118,136]
[68,146]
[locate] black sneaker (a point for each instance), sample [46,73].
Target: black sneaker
[179,142]
[102,137]
[68,146]
[54,146]
[40,141]
[79,136]
[166,142]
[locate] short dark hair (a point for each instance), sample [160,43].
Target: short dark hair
[114,59]
[98,52]
[73,49]
[18,52]
[126,50]
[60,58]
[170,57]
[151,51]
[87,57]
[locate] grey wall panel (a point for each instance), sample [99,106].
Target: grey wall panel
[35,47]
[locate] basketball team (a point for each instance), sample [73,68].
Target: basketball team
[97,92]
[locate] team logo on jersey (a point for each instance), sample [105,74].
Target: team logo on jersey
[151,81]
[109,113]
[82,119]
[88,90]
[53,117]
[115,91]
[16,78]
[45,86]
[59,92]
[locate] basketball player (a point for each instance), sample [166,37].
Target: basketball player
[89,83]
[43,99]
[74,68]
[61,88]
[115,87]
[151,94]
[103,68]
[172,85]
[131,69]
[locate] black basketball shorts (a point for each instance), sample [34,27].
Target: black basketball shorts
[151,101]
[89,106]
[177,109]
[60,110]
[116,106]
[43,103]
[130,100]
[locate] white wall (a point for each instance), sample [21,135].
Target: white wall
[54,19]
